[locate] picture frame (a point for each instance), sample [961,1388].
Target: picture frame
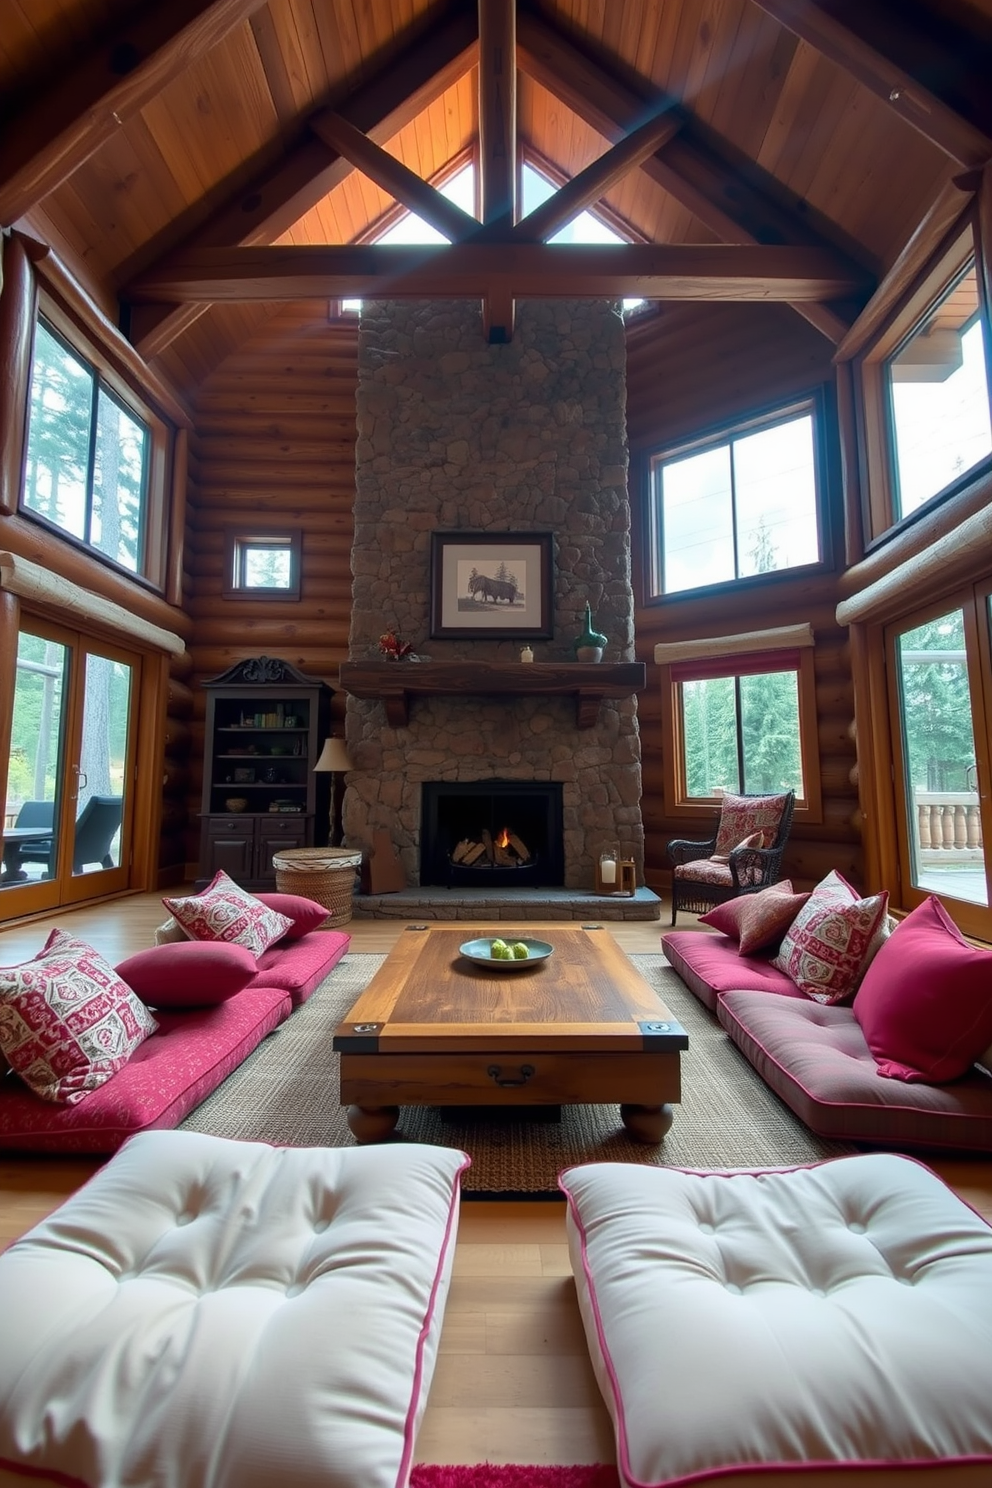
[244,776]
[492,585]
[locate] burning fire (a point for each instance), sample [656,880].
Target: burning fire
[503,840]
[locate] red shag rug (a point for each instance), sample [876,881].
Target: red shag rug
[487,1475]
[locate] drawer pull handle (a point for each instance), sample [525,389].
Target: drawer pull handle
[496,1073]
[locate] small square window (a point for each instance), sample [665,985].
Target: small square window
[262,565]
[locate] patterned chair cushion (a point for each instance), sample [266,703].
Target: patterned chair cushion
[742,815]
[706,870]
[67,1020]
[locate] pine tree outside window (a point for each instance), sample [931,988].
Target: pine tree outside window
[86,468]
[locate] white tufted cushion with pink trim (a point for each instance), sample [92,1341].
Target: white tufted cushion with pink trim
[223,1314]
[745,1326]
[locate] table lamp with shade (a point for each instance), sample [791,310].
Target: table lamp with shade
[334,759]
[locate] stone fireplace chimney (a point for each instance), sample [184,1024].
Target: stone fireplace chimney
[458,435]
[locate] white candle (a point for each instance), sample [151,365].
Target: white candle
[526,654]
[608,870]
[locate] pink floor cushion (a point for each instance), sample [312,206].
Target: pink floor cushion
[169,1074]
[299,966]
[829,1324]
[188,973]
[711,965]
[222,1314]
[814,1056]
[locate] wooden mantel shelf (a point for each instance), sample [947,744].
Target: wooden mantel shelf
[393,683]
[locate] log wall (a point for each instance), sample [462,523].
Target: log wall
[691,368]
[274,446]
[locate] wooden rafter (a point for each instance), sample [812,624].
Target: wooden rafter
[393,176]
[466,270]
[65,124]
[736,208]
[276,197]
[497,110]
[934,79]
[593,182]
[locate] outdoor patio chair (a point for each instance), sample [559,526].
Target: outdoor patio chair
[36,814]
[743,855]
[96,827]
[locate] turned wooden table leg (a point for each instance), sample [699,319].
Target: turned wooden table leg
[372,1123]
[646,1123]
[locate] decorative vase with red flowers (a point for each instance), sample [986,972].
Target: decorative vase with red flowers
[392,648]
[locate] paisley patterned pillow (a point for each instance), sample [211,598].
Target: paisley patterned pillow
[831,942]
[226,911]
[742,815]
[67,1020]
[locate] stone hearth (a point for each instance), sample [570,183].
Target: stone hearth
[458,435]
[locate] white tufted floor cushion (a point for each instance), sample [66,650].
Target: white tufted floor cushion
[216,1314]
[787,1329]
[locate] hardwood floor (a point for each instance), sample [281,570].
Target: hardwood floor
[513,1381]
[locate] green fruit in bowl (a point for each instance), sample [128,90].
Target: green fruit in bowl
[519,951]
[500,951]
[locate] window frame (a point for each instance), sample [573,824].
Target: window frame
[876,421]
[815,403]
[973,600]
[678,804]
[238,540]
[158,454]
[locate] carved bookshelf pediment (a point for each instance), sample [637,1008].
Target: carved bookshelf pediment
[394,683]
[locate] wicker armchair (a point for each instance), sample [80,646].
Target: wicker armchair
[718,869]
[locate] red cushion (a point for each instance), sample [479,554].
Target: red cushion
[757,920]
[306,914]
[925,1005]
[188,973]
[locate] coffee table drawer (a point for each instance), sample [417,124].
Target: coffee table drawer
[496,1079]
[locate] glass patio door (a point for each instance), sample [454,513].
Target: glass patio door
[67,812]
[943,700]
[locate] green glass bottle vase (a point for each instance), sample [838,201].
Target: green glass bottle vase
[589,645]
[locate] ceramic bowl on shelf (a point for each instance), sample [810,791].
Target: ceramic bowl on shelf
[481,952]
[236,803]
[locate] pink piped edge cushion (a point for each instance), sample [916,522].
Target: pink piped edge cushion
[829,945]
[226,911]
[925,1005]
[188,973]
[784,1327]
[68,1021]
[757,920]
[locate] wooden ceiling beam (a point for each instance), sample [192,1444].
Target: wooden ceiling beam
[593,182]
[734,206]
[274,197]
[65,124]
[471,270]
[401,183]
[497,111]
[935,78]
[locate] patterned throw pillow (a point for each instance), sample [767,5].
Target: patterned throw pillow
[67,1020]
[831,942]
[742,815]
[753,839]
[759,920]
[225,911]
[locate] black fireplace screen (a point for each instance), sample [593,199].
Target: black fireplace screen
[487,832]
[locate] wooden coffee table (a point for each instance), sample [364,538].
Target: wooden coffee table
[583,1026]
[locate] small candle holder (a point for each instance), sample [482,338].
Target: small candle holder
[615,874]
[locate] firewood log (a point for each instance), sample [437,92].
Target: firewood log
[520,848]
[461,850]
[487,842]
[475,852]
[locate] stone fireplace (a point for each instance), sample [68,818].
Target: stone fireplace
[458,435]
[484,834]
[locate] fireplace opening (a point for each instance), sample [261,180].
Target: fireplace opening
[492,832]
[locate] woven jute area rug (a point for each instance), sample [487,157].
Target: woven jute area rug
[286,1093]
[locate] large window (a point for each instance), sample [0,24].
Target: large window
[939,388]
[942,702]
[744,724]
[740,504]
[87,462]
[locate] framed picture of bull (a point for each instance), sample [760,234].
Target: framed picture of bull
[494,584]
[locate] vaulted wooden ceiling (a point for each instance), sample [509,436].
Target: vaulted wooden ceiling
[198,162]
